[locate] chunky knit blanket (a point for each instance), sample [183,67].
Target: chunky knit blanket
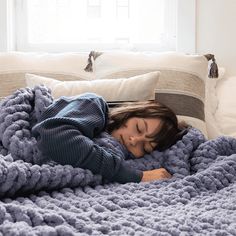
[50,199]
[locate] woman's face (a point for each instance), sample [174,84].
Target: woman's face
[134,135]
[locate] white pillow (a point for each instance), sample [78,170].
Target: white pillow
[211,94]
[225,114]
[212,103]
[141,87]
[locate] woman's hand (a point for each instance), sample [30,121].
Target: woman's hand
[156,174]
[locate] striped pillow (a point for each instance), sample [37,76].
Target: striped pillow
[184,93]
[61,66]
[181,85]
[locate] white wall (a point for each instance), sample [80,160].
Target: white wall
[3,26]
[216,31]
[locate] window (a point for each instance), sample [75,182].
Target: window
[122,9]
[94,8]
[84,25]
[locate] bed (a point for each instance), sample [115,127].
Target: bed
[51,199]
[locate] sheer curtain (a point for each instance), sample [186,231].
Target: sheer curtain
[62,25]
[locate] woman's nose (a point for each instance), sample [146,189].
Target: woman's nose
[134,140]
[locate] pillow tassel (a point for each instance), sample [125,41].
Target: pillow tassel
[213,72]
[89,66]
[92,57]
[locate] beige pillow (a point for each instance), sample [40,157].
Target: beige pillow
[181,85]
[110,65]
[61,66]
[141,87]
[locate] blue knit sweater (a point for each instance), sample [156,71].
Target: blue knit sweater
[71,130]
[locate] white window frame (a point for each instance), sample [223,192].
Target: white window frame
[7,35]
[186,30]
[186,26]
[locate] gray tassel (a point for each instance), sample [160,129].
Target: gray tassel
[213,72]
[94,55]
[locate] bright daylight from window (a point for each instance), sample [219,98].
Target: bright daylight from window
[121,23]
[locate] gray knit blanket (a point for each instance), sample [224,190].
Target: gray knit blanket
[51,199]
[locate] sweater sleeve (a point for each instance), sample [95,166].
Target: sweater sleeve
[65,131]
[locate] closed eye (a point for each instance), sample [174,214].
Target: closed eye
[139,131]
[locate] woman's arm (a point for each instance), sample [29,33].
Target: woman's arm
[88,113]
[65,135]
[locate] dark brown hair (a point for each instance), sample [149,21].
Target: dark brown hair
[170,130]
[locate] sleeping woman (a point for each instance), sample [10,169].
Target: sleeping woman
[70,130]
